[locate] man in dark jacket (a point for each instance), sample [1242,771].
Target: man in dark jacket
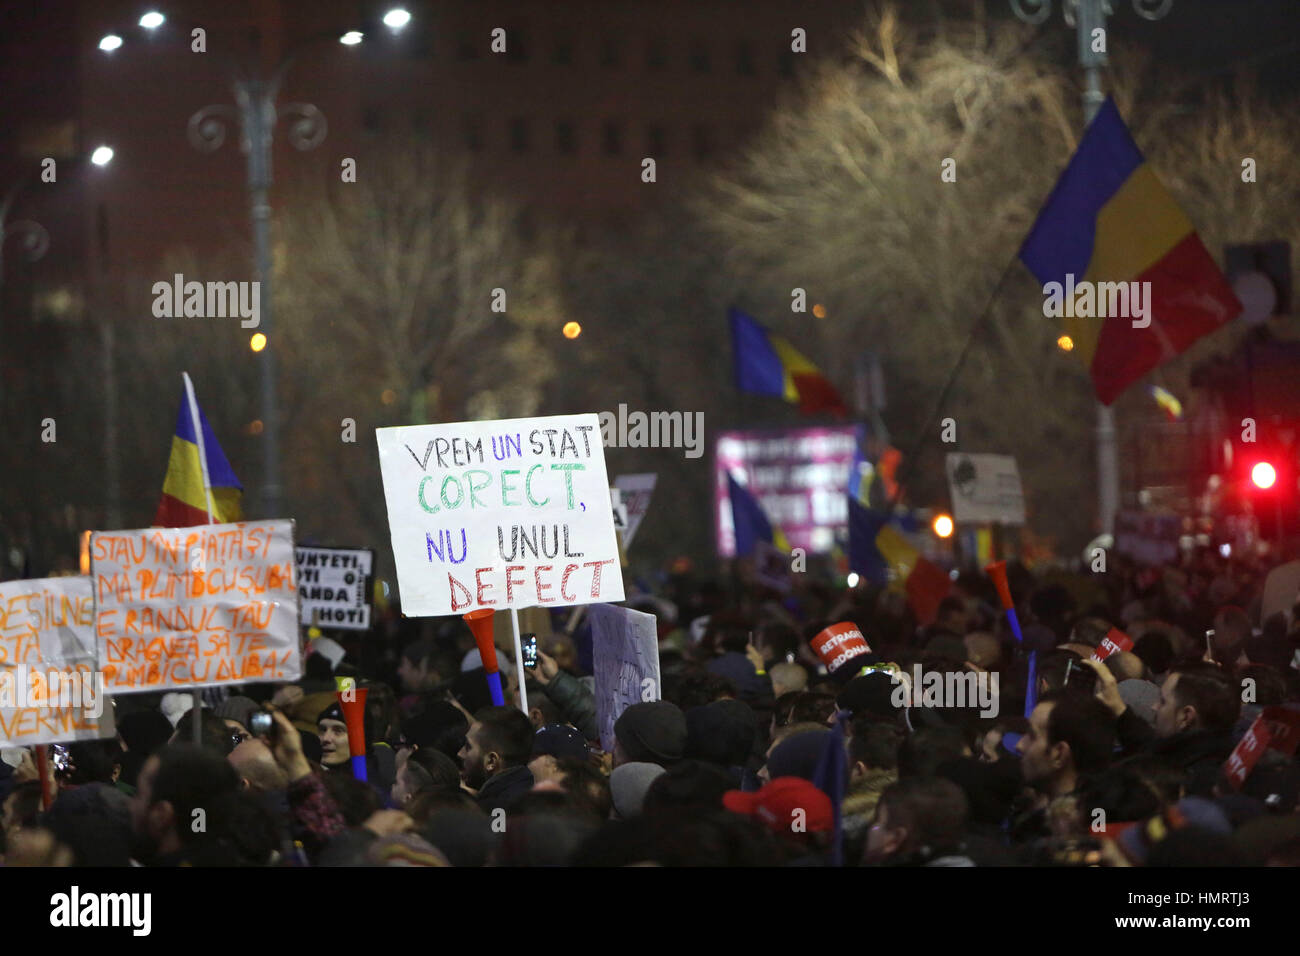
[495,757]
[1194,717]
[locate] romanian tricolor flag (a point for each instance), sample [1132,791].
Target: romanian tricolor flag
[750,523]
[1168,401]
[1109,220]
[199,480]
[767,364]
[880,553]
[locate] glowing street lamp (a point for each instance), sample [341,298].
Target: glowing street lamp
[396,18]
[110,43]
[102,156]
[152,20]
[942,526]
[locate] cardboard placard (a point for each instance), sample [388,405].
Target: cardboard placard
[500,514]
[51,688]
[625,657]
[333,587]
[179,608]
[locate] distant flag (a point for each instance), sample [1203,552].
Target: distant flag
[1109,220]
[200,487]
[751,524]
[880,553]
[863,475]
[767,364]
[1167,401]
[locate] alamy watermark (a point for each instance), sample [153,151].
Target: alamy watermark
[638,429]
[947,689]
[208,300]
[23,688]
[1099,300]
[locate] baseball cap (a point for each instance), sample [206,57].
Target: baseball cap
[776,806]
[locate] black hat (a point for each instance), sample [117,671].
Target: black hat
[332,712]
[559,740]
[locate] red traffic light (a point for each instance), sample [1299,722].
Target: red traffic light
[1263,475]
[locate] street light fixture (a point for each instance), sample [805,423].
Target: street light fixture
[102,156]
[396,18]
[152,20]
[110,43]
[255,113]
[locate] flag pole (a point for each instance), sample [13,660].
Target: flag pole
[519,661]
[196,696]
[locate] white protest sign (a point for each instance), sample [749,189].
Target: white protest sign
[499,514]
[50,688]
[985,488]
[625,658]
[636,491]
[179,608]
[332,587]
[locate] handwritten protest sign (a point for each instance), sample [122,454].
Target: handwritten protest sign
[635,491]
[499,514]
[625,657]
[50,688]
[332,587]
[178,608]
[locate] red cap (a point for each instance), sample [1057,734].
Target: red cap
[777,806]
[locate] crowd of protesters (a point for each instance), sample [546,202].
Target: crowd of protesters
[1120,763]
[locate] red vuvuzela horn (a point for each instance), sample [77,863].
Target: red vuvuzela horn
[480,624]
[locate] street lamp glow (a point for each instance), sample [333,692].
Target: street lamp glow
[1065,343]
[852,580]
[942,526]
[396,18]
[351,38]
[152,20]
[102,156]
[572,330]
[257,342]
[110,43]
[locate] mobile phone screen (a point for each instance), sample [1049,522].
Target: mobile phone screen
[530,650]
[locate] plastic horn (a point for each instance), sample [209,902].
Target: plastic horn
[352,701]
[998,572]
[480,623]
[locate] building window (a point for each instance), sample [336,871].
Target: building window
[466,48]
[472,129]
[566,138]
[656,54]
[744,58]
[562,52]
[701,142]
[612,137]
[611,53]
[519,137]
[516,46]
[699,57]
[656,142]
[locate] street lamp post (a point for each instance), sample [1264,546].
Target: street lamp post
[256,112]
[1087,16]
